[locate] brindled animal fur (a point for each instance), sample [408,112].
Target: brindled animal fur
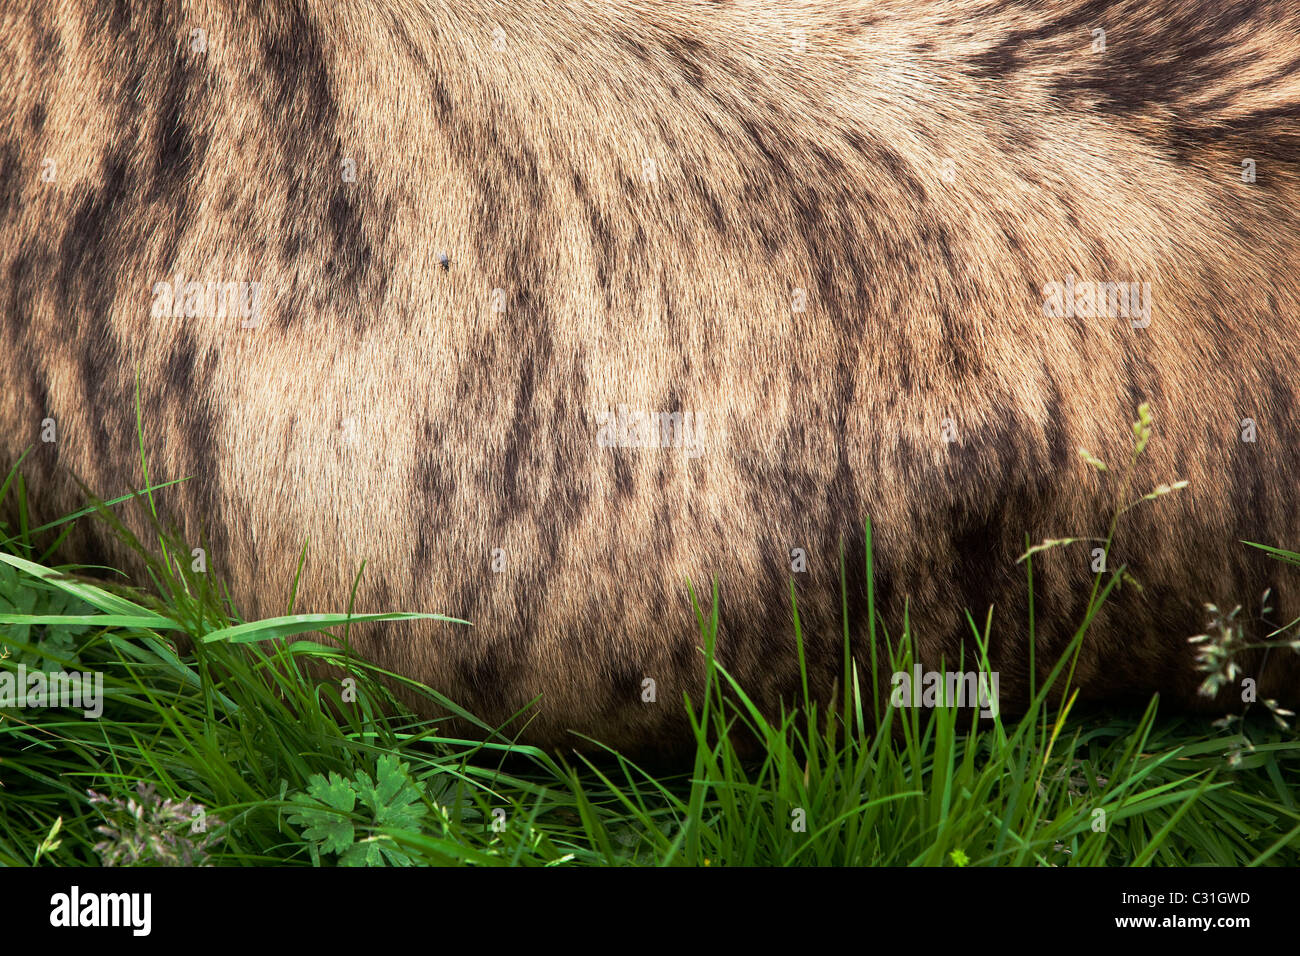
[827,230]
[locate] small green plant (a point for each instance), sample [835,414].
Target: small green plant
[1142,431]
[332,808]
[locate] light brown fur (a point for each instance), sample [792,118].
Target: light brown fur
[914,177]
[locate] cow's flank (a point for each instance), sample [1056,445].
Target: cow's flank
[544,308]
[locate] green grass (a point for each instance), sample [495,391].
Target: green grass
[280,770]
